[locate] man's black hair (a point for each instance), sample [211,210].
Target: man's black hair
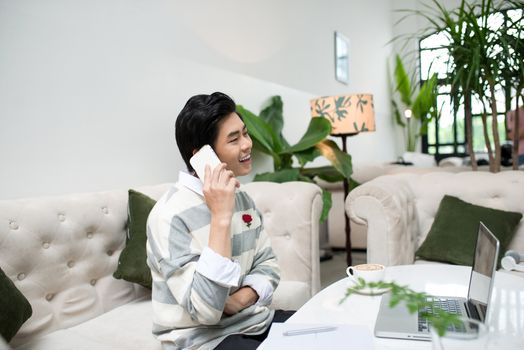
[197,123]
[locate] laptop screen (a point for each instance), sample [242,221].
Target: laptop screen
[483,270]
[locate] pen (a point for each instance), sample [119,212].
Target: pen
[309,330]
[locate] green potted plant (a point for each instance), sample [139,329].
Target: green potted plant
[289,161]
[421,106]
[478,57]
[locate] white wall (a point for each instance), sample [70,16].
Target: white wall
[90,90]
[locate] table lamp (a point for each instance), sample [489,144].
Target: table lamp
[349,115]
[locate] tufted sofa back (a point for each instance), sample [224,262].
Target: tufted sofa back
[61,251]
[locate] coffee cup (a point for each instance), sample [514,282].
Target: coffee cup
[368,272]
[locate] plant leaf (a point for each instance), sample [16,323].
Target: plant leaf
[341,161]
[403,82]
[259,130]
[279,176]
[396,114]
[273,114]
[318,129]
[425,99]
[307,155]
[327,173]
[326,205]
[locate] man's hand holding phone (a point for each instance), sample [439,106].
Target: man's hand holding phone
[219,193]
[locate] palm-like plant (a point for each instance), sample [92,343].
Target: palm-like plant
[289,161]
[478,58]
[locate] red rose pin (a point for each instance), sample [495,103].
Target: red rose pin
[247,219]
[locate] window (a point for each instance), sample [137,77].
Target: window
[446,136]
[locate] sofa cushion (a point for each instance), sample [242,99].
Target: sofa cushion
[453,234]
[15,308]
[132,265]
[126,327]
[290,295]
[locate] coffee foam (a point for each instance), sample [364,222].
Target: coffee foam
[368,267]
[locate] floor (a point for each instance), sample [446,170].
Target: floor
[333,269]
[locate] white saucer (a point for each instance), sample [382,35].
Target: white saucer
[367,291]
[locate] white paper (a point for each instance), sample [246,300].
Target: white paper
[345,337]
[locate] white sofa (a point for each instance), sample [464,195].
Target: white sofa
[362,173]
[399,209]
[61,253]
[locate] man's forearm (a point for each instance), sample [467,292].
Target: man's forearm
[219,236]
[242,298]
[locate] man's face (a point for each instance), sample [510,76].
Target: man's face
[233,145]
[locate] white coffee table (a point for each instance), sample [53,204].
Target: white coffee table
[436,279]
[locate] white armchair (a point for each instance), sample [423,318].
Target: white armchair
[399,209]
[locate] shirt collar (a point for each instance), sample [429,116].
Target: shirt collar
[191,182]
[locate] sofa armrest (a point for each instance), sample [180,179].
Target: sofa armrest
[386,204]
[291,213]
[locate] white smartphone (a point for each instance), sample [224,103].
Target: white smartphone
[205,155]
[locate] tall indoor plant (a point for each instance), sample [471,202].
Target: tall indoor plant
[422,105]
[478,57]
[289,160]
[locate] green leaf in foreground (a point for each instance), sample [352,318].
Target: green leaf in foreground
[414,301]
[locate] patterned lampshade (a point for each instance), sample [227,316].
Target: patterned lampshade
[348,114]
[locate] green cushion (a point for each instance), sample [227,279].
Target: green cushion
[453,235]
[132,264]
[15,309]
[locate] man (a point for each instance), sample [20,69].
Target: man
[214,272]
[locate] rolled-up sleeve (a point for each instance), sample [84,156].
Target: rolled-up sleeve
[219,269]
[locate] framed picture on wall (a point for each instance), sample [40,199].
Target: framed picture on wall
[341,58]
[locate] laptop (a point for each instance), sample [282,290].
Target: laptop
[398,323]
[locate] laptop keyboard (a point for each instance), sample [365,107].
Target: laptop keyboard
[449,305]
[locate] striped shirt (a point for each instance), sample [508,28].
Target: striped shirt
[191,282]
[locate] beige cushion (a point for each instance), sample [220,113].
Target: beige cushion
[126,327]
[291,295]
